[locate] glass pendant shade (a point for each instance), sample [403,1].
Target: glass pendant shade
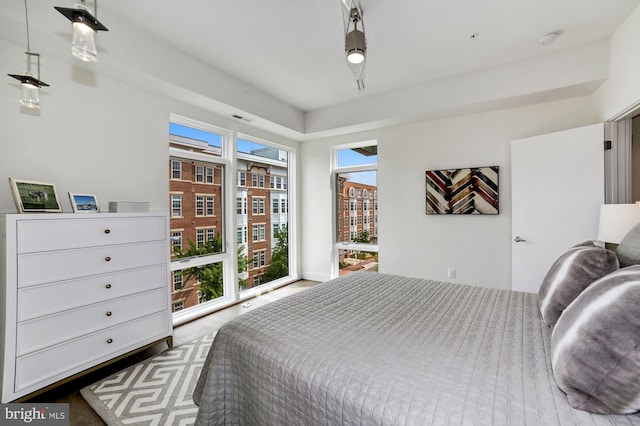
[83,44]
[30,97]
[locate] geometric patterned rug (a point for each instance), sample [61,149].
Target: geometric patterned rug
[156,391]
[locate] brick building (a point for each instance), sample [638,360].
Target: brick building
[197,215]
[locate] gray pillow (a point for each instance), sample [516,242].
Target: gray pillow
[595,346]
[589,243]
[571,273]
[628,250]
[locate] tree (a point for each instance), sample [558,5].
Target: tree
[363,237]
[279,266]
[210,275]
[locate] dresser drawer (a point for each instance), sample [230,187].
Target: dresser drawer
[50,330]
[49,365]
[61,234]
[39,268]
[46,299]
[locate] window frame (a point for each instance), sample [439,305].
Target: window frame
[354,205]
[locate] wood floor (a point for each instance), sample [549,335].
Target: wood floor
[81,414]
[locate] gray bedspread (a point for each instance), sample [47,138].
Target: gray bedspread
[376,349]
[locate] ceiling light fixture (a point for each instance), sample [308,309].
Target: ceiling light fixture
[85,25]
[355,45]
[30,82]
[547,38]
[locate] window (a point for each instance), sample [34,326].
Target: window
[176,241]
[176,205]
[197,220]
[199,205]
[241,205]
[210,205]
[257,205]
[176,169]
[259,258]
[178,284]
[258,232]
[241,234]
[355,173]
[242,178]
[269,166]
[211,234]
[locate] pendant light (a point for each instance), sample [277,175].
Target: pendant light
[30,82]
[355,44]
[85,25]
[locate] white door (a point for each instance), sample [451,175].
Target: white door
[557,187]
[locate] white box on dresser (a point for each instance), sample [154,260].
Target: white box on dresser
[78,291]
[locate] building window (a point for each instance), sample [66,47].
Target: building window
[241,205]
[257,205]
[283,206]
[176,205]
[199,205]
[242,178]
[259,258]
[178,306]
[178,283]
[258,232]
[276,228]
[257,180]
[241,234]
[199,237]
[210,203]
[200,174]
[176,240]
[209,176]
[176,169]
[275,206]
[211,234]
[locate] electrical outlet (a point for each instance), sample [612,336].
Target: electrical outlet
[451,272]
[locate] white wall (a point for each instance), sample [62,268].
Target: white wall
[412,243]
[621,91]
[92,134]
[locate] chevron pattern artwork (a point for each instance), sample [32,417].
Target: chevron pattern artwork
[463,191]
[156,391]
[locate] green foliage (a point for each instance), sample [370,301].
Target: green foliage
[279,266]
[209,276]
[363,237]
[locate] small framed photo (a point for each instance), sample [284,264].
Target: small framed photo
[84,203]
[31,196]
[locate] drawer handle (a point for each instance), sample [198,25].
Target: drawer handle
[107,231]
[108,286]
[107,259]
[109,340]
[109,314]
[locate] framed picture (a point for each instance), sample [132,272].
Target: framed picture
[463,191]
[32,196]
[84,203]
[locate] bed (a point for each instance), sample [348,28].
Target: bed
[377,349]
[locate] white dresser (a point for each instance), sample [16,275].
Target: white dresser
[77,291]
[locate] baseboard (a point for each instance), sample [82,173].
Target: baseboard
[315,276]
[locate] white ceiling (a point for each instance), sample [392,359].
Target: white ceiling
[292,51]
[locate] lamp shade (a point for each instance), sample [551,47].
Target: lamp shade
[616,220]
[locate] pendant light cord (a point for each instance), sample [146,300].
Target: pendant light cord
[26,13]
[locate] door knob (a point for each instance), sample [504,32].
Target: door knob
[518,239]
